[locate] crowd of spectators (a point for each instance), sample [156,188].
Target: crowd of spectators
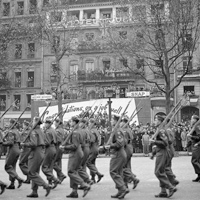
[142,134]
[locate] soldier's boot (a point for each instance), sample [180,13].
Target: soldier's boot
[115,195]
[55,183]
[73,194]
[100,176]
[93,179]
[34,194]
[20,181]
[162,194]
[123,193]
[11,186]
[3,187]
[135,182]
[48,189]
[27,181]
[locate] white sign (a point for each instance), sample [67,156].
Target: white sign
[41,97]
[74,109]
[138,94]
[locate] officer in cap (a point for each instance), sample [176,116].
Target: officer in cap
[12,141]
[48,163]
[58,159]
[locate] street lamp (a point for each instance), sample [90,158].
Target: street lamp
[109,95]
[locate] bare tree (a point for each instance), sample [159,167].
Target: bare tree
[55,29]
[157,34]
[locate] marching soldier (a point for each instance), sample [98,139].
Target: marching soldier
[86,151]
[2,184]
[35,141]
[163,158]
[75,158]
[118,160]
[23,160]
[58,159]
[195,138]
[127,172]
[48,163]
[94,150]
[12,140]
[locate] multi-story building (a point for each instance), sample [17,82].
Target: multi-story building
[92,70]
[24,64]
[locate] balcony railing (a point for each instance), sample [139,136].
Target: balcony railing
[99,76]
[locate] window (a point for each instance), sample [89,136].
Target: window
[6,9]
[73,71]
[89,14]
[106,15]
[20,8]
[2,102]
[17,79]
[30,82]
[89,66]
[53,75]
[187,41]
[157,9]
[31,50]
[139,12]
[18,51]
[123,62]
[56,44]
[56,16]
[17,99]
[106,65]
[89,36]
[187,63]
[123,34]
[33,7]
[28,97]
[159,63]
[189,90]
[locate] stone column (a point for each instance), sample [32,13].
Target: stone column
[81,15]
[97,14]
[114,12]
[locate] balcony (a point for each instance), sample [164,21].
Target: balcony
[108,76]
[192,73]
[31,55]
[17,84]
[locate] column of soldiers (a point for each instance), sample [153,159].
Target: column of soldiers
[44,148]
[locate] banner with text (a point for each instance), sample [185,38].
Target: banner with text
[74,109]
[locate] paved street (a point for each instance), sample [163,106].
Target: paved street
[142,166]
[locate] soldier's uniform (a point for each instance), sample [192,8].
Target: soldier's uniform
[163,157]
[12,140]
[195,139]
[168,168]
[23,160]
[86,151]
[94,151]
[35,142]
[75,160]
[58,158]
[117,162]
[127,172]
[48,162]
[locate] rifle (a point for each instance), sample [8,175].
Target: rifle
[70,134]
[14,123]
[132,116]
[37,122]
[8,109]
[117,124]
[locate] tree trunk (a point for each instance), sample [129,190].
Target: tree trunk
[167,103]
[59,92]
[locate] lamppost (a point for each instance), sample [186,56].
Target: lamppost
[109,95]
